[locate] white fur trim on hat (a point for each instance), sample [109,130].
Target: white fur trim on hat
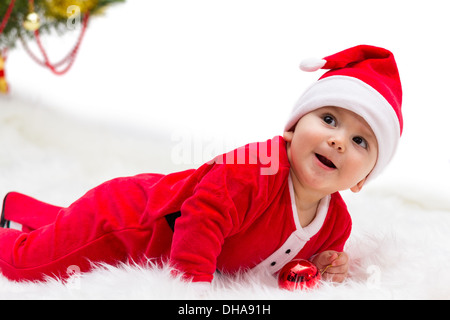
[312,64]
[355,95]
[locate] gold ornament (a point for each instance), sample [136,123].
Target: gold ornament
[32,22]
[3,86]
[3,83]
[63,8]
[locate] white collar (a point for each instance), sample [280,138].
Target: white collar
[321,213]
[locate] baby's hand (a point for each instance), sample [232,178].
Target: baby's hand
[332,265]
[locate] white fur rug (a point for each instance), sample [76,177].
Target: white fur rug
[399,247]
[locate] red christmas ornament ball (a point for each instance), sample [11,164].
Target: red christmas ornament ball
[298,274]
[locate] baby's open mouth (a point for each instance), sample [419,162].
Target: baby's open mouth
[325,161]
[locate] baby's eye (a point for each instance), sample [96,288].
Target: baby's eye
[328,119]
[361,142]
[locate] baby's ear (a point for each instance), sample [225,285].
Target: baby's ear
[288,135]
[357,188]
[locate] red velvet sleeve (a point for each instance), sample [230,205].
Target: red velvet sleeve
[216,210]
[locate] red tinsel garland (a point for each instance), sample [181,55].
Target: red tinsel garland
[7,15]
[69,59]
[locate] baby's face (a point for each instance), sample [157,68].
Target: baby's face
[332,149]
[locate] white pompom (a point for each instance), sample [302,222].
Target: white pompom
[312,64]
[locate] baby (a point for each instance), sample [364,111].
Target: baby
[253,209]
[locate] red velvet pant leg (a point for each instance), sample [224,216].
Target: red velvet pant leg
[108,225]
[29,212]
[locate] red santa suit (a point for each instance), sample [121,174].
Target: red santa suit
[235,213]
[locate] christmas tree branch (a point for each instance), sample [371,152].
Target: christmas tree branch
[53,14]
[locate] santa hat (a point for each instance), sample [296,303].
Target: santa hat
[363,79]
